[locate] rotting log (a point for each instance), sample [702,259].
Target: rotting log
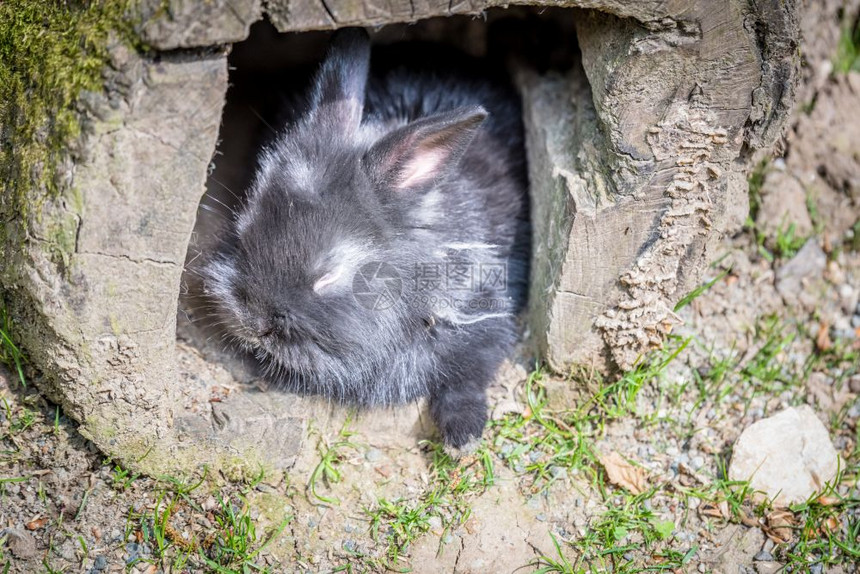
[637,166]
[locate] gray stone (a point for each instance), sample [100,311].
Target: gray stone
[171,24]
[21,543]
[768,567]
[797,278]
[788,456]
[783,203]
[763,556]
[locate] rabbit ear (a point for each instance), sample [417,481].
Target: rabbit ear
[339,86]
[424,151]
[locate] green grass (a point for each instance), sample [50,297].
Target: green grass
[786,243]
[698,291]
[625,536]
[848,50]
[236,543]
[120,478]
[828,531]
[327,471]
[447,497]
[544,444]
[10,353]
[626,526]
[232,545]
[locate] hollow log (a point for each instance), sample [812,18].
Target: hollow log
[637,160]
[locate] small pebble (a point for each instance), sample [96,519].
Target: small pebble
[558,472]
[628,556]
[697,462]
[100,563]
[763,556]
[816,568]
[435,523]
[373,455]
[541,517]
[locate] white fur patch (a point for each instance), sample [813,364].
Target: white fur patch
[466,450]
[341,262]
[430,209]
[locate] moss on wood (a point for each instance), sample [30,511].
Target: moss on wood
[50,52]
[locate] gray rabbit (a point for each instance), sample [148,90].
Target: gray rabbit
[382,252]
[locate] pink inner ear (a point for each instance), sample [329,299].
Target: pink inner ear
[421,168]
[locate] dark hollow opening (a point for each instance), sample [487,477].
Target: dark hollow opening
[269,70]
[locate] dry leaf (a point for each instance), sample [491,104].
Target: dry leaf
[822,341]
[724,509]
[36,524]
[828,500]
[748,520]
[780,526]
[831,525]
[708,509]
[622,473]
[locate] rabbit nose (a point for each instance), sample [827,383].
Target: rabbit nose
[280,323]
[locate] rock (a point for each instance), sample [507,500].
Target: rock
[175,24]
[373,455]
[763,556]
[783,203]
[788,456]
[795,279]
[734,548]
[20,542]
[768,567]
